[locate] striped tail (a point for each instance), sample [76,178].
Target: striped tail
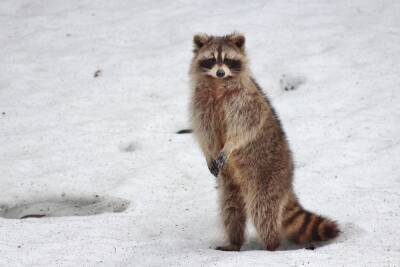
[302,226]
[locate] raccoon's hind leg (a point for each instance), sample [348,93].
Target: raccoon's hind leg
[233,213]
[266,213]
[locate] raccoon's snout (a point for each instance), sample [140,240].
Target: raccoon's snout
[220,73]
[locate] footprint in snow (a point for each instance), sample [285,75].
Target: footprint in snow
[290,82]
[63,206]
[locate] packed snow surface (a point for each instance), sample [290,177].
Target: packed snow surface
[93,92]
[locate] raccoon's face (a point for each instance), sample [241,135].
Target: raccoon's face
[219,57]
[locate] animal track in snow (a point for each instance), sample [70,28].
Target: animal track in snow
[128,147]
[63,206]
[289,82]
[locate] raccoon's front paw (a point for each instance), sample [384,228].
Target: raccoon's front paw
[213,167]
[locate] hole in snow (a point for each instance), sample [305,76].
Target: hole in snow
[128,147]
[63,206]
[290,82]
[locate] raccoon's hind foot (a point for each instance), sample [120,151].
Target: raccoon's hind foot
[310,246]
[230,247]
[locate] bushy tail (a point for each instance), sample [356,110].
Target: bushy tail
[302,226]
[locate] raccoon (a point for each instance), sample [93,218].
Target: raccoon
[245,146]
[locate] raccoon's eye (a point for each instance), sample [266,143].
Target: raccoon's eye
[233,64]
[208,63]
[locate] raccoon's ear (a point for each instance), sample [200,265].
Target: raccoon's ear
[238,39]
[199,40]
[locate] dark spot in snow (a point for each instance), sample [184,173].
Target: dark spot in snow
[130,147]
[33,216]
[97,73]
[3,113]
[184,131]
[68,34]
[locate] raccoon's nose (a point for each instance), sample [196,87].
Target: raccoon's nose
[220,73]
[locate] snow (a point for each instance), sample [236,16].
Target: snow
[75,144]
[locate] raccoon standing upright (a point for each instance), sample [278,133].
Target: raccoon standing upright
[245,147]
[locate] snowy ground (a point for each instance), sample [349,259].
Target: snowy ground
[75,144]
